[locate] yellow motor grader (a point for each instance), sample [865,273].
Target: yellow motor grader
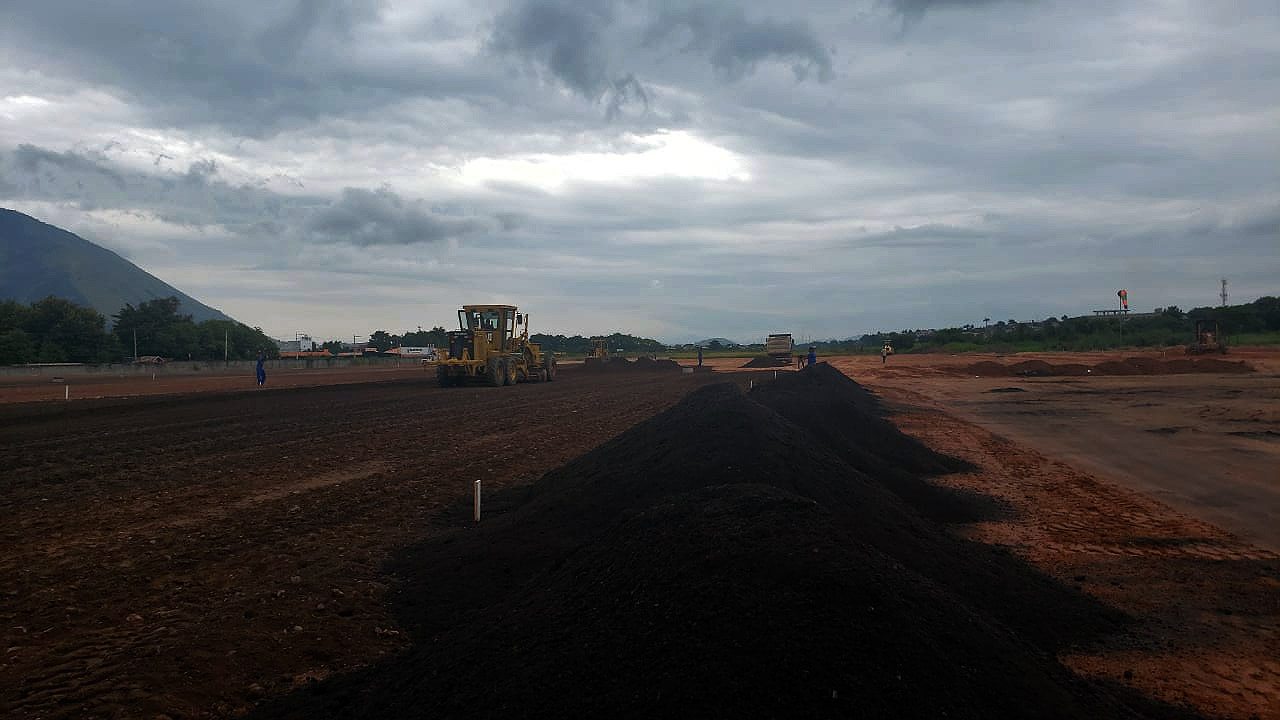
[487,349]
[599,351]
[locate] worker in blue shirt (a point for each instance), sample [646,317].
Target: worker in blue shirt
[813,357]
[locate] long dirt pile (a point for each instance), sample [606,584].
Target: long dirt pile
[1127,366]
[723,560]
[640,364]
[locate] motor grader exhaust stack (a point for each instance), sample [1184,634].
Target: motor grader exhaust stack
[491,346]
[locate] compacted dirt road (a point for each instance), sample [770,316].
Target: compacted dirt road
[1159,495]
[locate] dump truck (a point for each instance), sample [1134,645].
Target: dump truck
[1208,340]
[492,347]
[778,347]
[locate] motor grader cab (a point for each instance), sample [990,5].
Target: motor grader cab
[491,346]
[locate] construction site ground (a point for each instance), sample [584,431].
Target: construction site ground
[194,546]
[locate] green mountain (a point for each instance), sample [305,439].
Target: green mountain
[38,260]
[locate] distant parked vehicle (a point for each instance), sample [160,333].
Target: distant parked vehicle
[149,360]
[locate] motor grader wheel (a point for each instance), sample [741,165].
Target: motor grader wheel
[495,373]
[549,367]
[442,376]
[510,376]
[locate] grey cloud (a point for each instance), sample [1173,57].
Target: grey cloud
[997,154]
[579,43]
[199,172]
[913,10]
[735,44]
[381,217]
[32,160]
[625,91]
[566,36]
[930,235]
[199,199]
[569,38]
[237,64]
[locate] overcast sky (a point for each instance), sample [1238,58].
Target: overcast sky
[674,169]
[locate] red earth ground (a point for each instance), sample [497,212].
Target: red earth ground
[191,555]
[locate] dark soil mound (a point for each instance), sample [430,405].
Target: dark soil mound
[642,364]
[718,560]
[728,602]
[764,361]
[1127,366]
[1214,365]
[847,418]
[1032,368]
[1072,370]
[987,368]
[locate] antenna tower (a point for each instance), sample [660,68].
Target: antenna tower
[1224,292]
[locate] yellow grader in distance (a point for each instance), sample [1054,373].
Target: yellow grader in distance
[1208,339]
[487,349]
[599,351]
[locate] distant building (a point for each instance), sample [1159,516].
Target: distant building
[302,343]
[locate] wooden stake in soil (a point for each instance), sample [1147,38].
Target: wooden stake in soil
[477,501]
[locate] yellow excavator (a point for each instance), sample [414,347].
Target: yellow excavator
[492,347]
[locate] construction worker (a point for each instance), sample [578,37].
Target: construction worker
[699,356]
[884,354]
[262,371]
[813,357]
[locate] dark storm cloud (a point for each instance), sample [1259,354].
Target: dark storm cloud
[735,45]
[381,217]
[567,37]
[197,198]
[996,149]
[579,42]
[254,68]
[194,198]
[913,10]
[36,162]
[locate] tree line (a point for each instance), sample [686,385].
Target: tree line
[565,344]
[1165,327]
[56,330]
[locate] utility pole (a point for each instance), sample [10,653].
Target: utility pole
[1224,292]
[135,343]
[226,344]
